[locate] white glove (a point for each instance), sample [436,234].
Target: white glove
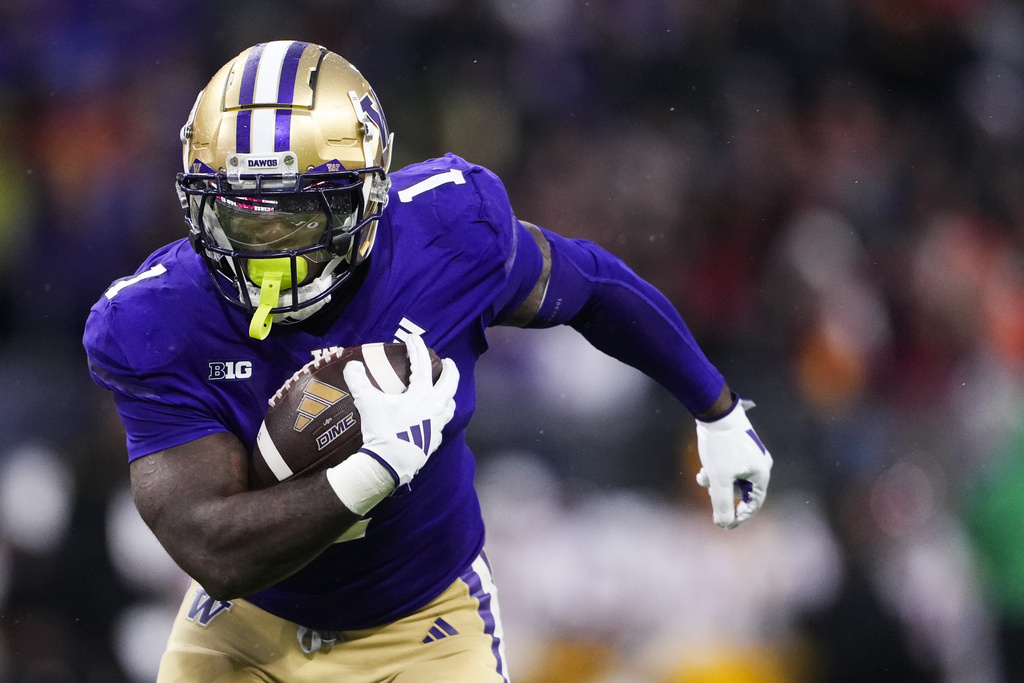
[400,431]
[734,465]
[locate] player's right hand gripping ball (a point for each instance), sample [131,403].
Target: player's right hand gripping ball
[312,423]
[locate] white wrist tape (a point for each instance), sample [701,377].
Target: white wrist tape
[360,482]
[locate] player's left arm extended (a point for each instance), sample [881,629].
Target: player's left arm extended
[619,313]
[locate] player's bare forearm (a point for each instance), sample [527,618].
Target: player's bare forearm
[233,541]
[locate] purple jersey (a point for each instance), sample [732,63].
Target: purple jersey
[449,259]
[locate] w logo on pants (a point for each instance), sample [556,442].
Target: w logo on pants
[419,435]
[205,609]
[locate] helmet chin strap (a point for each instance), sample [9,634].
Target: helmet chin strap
[271,275]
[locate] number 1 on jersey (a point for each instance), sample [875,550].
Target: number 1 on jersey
[155,271]
[451,176]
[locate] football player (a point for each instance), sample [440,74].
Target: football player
[300,240]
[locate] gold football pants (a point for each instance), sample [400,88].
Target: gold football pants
[456,638]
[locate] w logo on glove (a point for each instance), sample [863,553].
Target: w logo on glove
[419,435]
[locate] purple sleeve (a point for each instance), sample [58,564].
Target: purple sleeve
[156,412]
[626,318]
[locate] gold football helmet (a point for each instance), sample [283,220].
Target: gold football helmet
[286,154]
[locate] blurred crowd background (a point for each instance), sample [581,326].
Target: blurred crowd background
[830,191]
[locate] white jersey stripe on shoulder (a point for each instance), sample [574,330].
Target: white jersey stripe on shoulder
[379,367]
[271,455]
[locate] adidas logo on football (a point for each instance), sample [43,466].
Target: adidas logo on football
[316,397]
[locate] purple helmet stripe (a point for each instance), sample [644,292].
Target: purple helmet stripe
[248,84]
[286,95]
[483,598]
[243,124]
[243,128]
[289,69]
[282,66]
[282,130]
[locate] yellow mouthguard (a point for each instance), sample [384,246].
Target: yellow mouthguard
[271,275]
[270,291]
[261,267]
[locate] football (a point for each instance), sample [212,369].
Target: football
[312,422]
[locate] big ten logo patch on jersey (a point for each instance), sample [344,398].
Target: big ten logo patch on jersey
[230,369]
[205,608]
